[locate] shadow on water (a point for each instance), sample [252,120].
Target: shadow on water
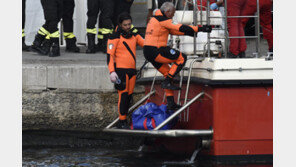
[57,148]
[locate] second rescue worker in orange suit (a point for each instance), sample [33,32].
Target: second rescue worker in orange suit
[121,60]
[160,55]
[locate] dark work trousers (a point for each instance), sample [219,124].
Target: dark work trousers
[54,11]
[93,9]
[67,16]
[106,7]
[23,13]
[120,7]
[52,14]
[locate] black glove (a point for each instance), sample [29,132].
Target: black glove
[205,28]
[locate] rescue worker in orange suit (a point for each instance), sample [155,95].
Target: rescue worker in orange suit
[237,46]
[160,55]
[265,18]
[105,24]
[121,60]
[47,38]
[151,6]
[24,46]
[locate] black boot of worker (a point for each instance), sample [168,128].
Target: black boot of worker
[99,47]
[171,104]
[45,48]
[25,47]
[168,84]
[91,47]
[55,48]
[271,50]
[71,45]
[122,124]
[231,55]
[36,46]
[242,55]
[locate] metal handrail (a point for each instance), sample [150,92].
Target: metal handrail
[188,79]
[226,38]
[208,23]
[195,24]
[156,4]
[163,133]
[132,107]
[178,111]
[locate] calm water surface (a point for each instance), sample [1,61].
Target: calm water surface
[55,157]
[73,149]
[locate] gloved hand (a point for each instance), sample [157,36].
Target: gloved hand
[205,28]
[214,6]
[113,77]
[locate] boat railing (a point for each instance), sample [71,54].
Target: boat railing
[156,132]
[132,108]
[207,51]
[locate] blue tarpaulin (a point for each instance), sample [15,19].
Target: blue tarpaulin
[150,115]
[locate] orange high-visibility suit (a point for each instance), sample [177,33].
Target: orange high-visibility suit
[156,50]
[121,58]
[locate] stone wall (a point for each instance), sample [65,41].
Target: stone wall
[64,109]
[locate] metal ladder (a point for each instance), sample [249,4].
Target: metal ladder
[226,38]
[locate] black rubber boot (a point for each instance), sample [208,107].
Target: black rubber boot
[168,84]
[55,48]
[231,55]
[36,46]
[171,103]
[122,124]
[99,47]
[25,47]
[71,45]
[91,48]
[45,48]
[242,55]
[271,50]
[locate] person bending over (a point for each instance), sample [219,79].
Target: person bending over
[160,55]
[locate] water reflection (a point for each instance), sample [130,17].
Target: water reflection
[109,157]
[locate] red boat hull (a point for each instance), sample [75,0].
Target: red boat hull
[240,116]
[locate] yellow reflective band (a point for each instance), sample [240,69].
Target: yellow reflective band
[47,37]
[91,31]
[105,31]
[41,33]
[23,30]
[23,34]
[100,36]
[44,31]
[68,35]
[55,34]
[134,29]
